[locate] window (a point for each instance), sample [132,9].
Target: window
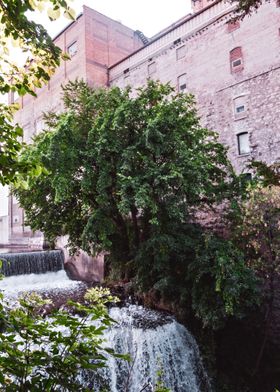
[181,52]
[236,63]
[240,107]
[177,41]
[243,143]
[182,83]
[152,68]
[72,49]
[233,25]
[236,60]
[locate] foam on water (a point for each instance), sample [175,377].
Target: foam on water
[155,342]
[50,281]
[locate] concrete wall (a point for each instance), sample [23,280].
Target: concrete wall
[200,48]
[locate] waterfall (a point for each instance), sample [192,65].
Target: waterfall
[156,344]
[31,262]
[41,271]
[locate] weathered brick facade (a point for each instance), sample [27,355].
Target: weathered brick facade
[98,42]
[233,69]
[196,56]
[95,42]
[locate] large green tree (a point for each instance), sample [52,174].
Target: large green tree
[17,30]
[128,175]
[118,168]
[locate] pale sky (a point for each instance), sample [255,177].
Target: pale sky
[148,16]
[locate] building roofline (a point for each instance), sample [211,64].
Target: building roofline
[167,31]
[67,27]
[81,14]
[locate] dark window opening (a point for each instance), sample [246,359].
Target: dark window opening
[236,63]
[177,41]
[240,109]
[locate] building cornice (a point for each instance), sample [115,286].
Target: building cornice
[187,27]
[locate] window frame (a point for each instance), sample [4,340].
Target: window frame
[236,55]
[240,101]
[239,144]
[182,90]
[70,46]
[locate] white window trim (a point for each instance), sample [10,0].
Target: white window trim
[242,154]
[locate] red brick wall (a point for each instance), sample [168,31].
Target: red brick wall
[101,42]
[107,42]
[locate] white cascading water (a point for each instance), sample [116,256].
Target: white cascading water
[49,281]
[156,344]
[155,341]
[40,271]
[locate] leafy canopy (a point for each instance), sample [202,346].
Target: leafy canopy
[119,167]
[128,174]
[30,40]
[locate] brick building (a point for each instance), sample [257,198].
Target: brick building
[94,42]
[233,69]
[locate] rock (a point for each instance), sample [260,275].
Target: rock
[81,266]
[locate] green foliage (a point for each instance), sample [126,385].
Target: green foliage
[222,284]
[261,228]
[48,354]
[120,167]
[266,175]
[17,31]
[10,144]
[128,175]
[159,387]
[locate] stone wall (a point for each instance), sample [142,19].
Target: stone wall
[196,57]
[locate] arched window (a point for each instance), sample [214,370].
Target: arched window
[236,60]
